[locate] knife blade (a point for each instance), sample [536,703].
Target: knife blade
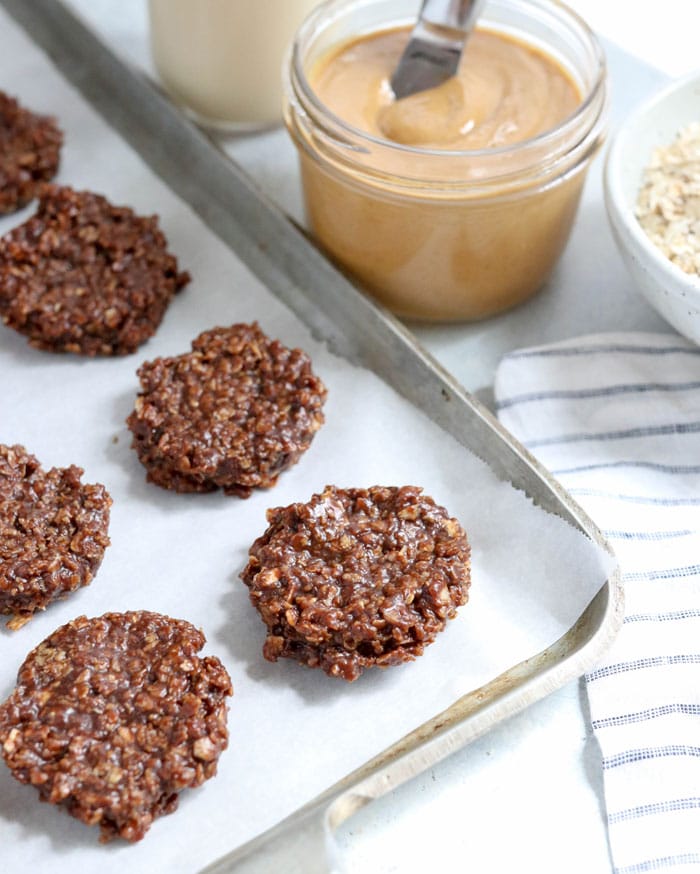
[436,45]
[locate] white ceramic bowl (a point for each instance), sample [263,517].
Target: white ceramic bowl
[672,292]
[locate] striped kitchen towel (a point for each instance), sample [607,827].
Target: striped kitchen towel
[616,419]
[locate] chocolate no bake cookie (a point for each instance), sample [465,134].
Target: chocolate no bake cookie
[84,276]
[357,577]
[53,533]
[30,147]
[231,414]
[113,717]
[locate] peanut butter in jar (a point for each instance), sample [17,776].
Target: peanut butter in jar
[454,203]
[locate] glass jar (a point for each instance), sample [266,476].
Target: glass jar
[221,59]
[452,235]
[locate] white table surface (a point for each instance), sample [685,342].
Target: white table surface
[528,796]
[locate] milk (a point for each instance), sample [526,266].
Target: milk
[222,59]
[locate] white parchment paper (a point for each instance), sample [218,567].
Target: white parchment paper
[293,731]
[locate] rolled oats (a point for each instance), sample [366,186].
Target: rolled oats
[668,205]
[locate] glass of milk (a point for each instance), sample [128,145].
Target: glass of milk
[221,60]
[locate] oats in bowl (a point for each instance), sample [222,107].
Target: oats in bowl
[668,205]
[650,185]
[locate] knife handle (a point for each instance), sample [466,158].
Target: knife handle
[452,14]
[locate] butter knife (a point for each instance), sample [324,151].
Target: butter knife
[435,48]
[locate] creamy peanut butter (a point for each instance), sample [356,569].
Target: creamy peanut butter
[446,205]
[504,92]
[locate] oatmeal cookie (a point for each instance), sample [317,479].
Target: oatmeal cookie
[113,717]
[357,577]
[84,276]
[30,147]
[53,533]
[231,414]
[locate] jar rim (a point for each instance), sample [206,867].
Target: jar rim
[299,81]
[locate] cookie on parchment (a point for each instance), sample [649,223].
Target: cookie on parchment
[113,717]
[84,276]
[231,414]
[30,147]
[53,533]
[357,578]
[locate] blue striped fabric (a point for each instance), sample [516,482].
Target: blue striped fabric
[591,348]
[636,499]
[629,756]
[645,535]
[662,864]
[644,664]
[624,434]
[616,418]
[673,805]
[644,715]
[663,617]
[595,393]
[648,465]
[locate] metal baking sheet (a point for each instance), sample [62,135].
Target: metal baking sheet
[357,329]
